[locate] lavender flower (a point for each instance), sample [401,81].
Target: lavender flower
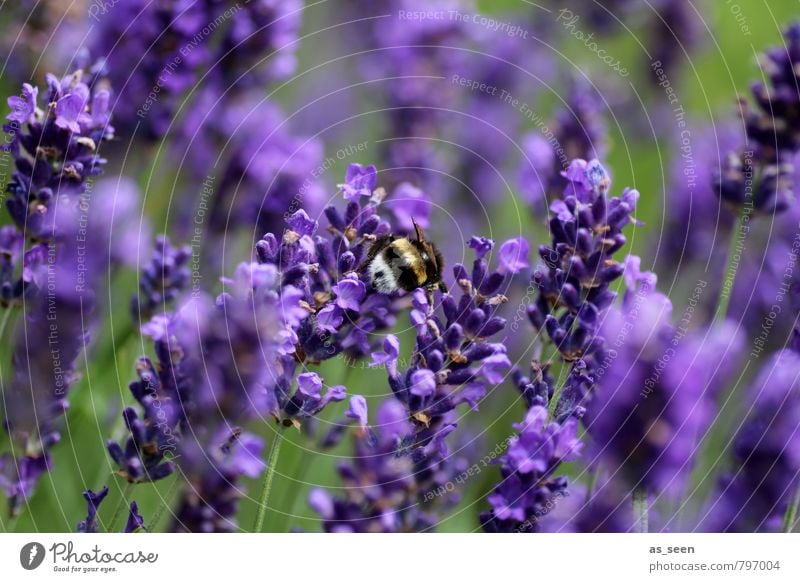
[220,366]
[527,470]
[653,398]
[93,501]
[153,438]
[754,494]
[56,150]
[761,177]
[698,225]
[266,171]
[578,269]
[152,55]
[162,279]
[673,32]
[412,58]
[135,521]
[605,509]
[573,284]
[259,44]
[453,361]
[344,309]
[56,156]
[384,491]
[577,132]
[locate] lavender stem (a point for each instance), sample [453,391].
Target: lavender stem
[640,510]
[121,504]
[791,512]
[731,268]
[267,487]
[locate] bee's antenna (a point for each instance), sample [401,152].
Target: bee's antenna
[418,230]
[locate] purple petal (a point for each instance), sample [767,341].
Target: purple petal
[330,318]
[358,410]
[301,223]
[423,383]
[349,293]
[309,384]
[481,245]
[514,255]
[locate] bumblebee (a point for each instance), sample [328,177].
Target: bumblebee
[395,263]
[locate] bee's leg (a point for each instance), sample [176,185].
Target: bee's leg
[429,294]
[443,287]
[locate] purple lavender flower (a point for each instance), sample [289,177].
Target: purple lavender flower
[653,398]
[412,59]
[359,181]
[259,45]
[754,494]
[153,438]
[135,521]
[698,225]
[344,310]
[673,33]
[453,361]
[56,155]
[152,55]
[577,132]
[220,366]
[384,491]
[55,150]
[162,279]
[577,271]
[761,176]
[528,471]
[605,509]
[93,501]
[266,171]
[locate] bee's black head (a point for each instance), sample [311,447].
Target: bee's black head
[433,260]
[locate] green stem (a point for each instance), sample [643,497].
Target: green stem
[594,477]
[640,510]
[299,473]
[731,268]
[791,512]
[4,321]
[269,476]
[118,509]
[163,506]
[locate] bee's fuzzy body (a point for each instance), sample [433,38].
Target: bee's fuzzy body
[396,263]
